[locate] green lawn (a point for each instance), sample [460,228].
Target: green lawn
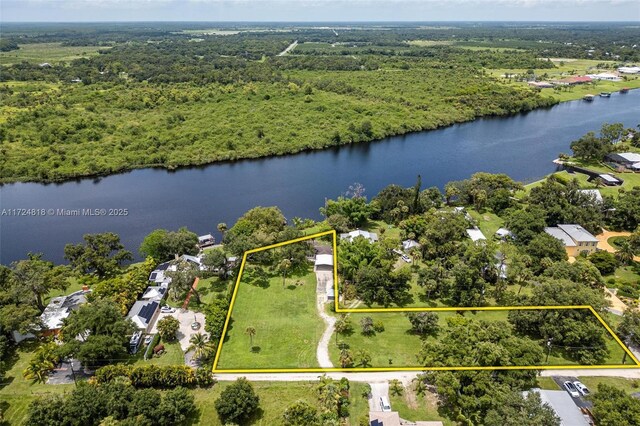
[16,393]
[287,325]
[413,407]
[547,383]
[173,355]
[397,345]
[628,385]
[48,52]
[275,398]
[488,222]
[625,274]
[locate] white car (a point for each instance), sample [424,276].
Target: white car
[570,387]
[384,404]
[148,338]
[167,310]
[582,388]
[406,258]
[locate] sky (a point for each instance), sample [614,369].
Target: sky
[318,10]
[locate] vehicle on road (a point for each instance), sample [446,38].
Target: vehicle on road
[581,388]
[167,310]
[571,388]
[384,404]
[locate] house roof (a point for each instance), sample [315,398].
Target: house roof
[503,232]
[409,244]
[142,312]
[324,259]
[476,234]
[578,233]
[609,178]
[59,308]
[154,293]
[562,403]
[629,157]
[560,235]
[595,193]
[384,418]
[371,236]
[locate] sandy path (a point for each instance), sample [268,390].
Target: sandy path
[603,243]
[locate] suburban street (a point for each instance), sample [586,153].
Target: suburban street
[580,401]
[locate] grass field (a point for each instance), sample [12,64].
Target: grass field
[396,347]
[16,393]
[48,52]
[286,321]
[413,407]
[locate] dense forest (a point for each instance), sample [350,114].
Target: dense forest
[177,95]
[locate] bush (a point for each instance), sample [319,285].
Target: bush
[378,326]
[152,376]
[605,262]
[238,402]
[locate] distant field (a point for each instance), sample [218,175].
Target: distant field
[48,52]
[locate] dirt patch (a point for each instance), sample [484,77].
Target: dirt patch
[410,398]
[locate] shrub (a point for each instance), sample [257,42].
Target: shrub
[378,326]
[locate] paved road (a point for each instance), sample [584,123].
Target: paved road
[579,401]
[378,390]
[289,48]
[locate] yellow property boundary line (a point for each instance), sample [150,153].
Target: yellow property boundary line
[380,369]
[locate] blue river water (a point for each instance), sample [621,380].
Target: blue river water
[523,146]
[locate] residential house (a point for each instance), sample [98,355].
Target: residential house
[407,245]
[594,194]
[476,235]
[324,265]
[609,180]
[570,81]
[143,313]
[605,76]
[563,405]
[629,160]
[503,233]
[54,314]
[370,236]
[154,293]
[158,275]
[575,238]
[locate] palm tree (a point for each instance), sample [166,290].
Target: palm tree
[202,347]
[395,387]
[38,370]
[222,227]
[364,358]
[420,387]
[625,252]
[250,331]
[284,267]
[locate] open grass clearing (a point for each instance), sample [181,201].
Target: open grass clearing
[285,319]
[397,347]
[48,52]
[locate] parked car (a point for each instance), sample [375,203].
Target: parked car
[570,387]
[406,258]
[148,338]
[384,404]
[582,388]
[167,310]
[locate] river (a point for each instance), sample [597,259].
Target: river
[523,146]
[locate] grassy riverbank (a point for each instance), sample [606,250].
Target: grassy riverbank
[60,131]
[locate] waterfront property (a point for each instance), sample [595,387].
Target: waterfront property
[628,160]
[206,241]
[575,238]
[349,236]
[53,316]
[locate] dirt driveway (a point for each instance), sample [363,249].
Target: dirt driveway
[603,241]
